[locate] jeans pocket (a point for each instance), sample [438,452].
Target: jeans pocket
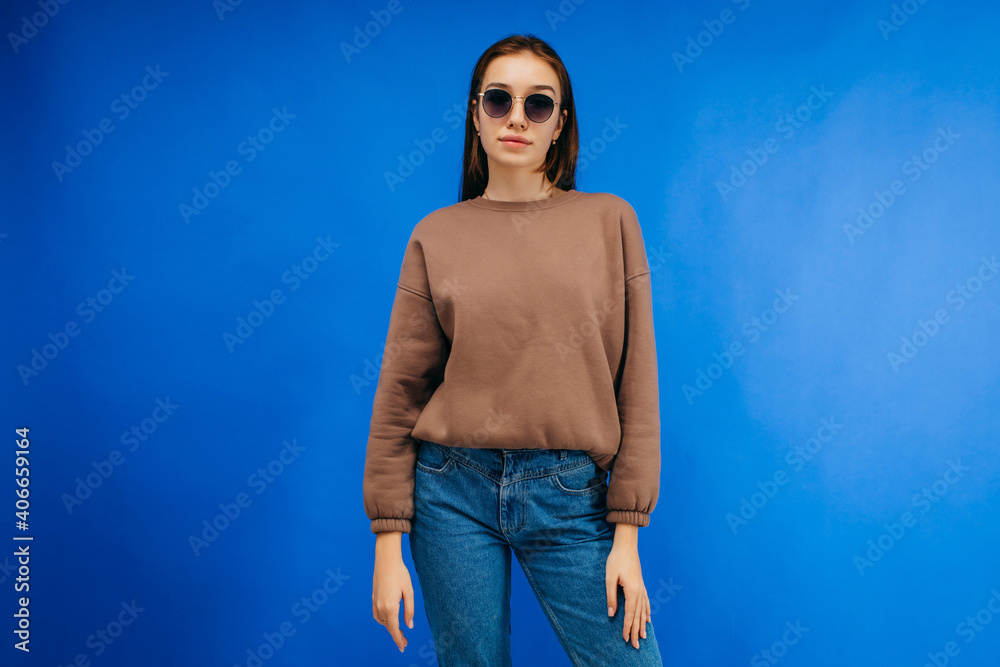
[582,480]
[433,458]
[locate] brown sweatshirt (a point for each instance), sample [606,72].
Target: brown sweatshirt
[520,325]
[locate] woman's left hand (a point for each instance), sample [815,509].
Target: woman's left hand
[623,569]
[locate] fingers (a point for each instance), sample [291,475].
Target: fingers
[408,607]
[637,611]
[637,614]
[393,627]
[611,588]
[649,615]
[640,610]
[388,615]
[631,608]
[390,582]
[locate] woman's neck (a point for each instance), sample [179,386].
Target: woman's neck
[510,192]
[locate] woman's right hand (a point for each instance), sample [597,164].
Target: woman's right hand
[390,582]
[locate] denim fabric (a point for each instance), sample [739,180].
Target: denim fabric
[472,507]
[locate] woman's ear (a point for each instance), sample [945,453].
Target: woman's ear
[559,125]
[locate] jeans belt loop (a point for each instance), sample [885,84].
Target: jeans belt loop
[562,454]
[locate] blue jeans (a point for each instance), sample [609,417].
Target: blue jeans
[472,506]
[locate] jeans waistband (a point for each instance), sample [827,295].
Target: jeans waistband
[511,462]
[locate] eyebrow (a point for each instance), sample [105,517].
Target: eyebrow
[539,86]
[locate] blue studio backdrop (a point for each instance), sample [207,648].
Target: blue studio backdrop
[204,210]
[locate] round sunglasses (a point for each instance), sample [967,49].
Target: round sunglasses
[537,107]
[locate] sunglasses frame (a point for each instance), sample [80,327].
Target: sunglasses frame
[523,99]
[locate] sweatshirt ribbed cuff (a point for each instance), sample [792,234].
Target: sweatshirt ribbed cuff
[633,517]
[388,525]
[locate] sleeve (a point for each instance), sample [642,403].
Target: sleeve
[413,361]
[635,474]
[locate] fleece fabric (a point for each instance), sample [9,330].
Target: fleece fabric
[520,325]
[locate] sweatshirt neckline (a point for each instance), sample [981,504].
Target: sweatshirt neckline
[533,205]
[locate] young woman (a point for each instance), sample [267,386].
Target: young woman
[519,369]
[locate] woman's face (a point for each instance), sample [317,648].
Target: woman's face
[520,75]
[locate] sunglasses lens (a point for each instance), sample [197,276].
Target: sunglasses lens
[496,102]
[538,107]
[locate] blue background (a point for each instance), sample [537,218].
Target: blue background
[722,590]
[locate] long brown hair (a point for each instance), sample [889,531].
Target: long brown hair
[560,160]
